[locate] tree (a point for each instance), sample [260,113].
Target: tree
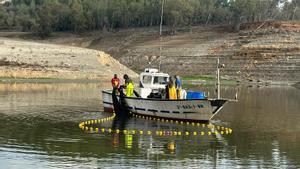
[290,10]
[25,17]
[77,17]
[177,13]
[45,16]
[46,19]
[2,17]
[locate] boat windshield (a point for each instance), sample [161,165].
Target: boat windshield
[160,80]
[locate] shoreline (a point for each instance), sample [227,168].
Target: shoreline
[191,82]
[48,80]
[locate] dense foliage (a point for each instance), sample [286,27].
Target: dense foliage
[45,16]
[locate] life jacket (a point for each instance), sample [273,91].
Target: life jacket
[129,89]
[172,93]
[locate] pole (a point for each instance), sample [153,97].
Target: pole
[160,32]
[218,78]
[161,17]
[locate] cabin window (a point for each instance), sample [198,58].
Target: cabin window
[147,79]
[160,80]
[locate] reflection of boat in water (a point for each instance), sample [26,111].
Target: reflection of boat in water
[152,83]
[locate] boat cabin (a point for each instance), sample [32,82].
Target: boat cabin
[151,80]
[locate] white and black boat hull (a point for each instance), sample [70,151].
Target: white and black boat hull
[185,109]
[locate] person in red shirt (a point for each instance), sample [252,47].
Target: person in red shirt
[115,81]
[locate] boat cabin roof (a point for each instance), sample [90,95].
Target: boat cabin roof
[153,72]
[153,79]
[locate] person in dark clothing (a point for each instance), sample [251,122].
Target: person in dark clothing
[126,78]
[178,86]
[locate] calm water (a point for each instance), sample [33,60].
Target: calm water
[39,129]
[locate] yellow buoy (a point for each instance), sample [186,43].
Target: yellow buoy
[171,146]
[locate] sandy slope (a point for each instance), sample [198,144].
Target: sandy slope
[19,58]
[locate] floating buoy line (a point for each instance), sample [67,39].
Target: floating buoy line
[214,129]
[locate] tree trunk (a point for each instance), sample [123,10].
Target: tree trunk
[294,12]
[207,20]
[236,23]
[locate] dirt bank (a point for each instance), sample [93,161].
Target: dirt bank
[260,51]
[26,59]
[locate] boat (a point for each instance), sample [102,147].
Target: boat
[184,109]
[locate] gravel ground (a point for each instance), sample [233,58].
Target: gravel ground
[26,59]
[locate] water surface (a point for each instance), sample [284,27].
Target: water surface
[39,129]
